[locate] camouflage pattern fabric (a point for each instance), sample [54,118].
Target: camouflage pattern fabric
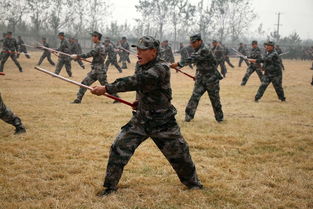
[273,74]
[255,53]
[155,118]
[8,116]
[166,54]
[63,59]
[46,54]
[111,57]
[10,48]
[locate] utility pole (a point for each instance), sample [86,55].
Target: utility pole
[278,25]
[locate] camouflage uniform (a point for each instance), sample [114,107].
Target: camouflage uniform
[273,74]
[22,48]
[253,67]
[111,56]
[185,53]
[154,117]
[63,59]
[123,54]
[207,80]
[10,48]
[242,49]
[46,54]
[219,53]
[279,52]
[75,49]
[227,60]
[9,117]
[98,71]
[166,53]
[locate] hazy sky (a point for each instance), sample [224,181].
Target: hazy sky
[297,15]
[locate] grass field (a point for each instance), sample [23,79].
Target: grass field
[260,157]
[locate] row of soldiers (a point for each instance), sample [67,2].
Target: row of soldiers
[154,115]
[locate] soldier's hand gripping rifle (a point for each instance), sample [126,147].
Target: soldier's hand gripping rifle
[133,105]
[55,51]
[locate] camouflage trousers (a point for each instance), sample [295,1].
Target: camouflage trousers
[113,62]
[241,60]
[223,68]
[23,50]
[227,60]
[5,57]
[277,83]
[80,62]
[213,89]
[92,77]
[250,70]
[168,139]
[60,65]
[44,56]
[8,116]
[124,58]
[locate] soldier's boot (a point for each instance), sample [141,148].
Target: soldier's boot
[312,82]
[106,192]
[188,118]
[76,101]
[19,128]
[195,187]
[124,66]
[20,69]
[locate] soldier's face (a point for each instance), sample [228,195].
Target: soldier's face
[94,39]
[254,46]
[269,48]
[61,37]
[146,55]
[196,44]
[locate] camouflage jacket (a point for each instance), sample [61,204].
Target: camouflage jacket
[110,52]
[98,54]
[21,45]
[154,94]
[79,48]
[255,53]
[219,53]
[10,44]
[242,50]
[206,64]
[124,45]
[166,54]
[64,47]
[74,48]
[271,63]
[46,51]
[186,52]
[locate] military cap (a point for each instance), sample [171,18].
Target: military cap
[165,41]
[44,38]
[9,33]
[214,41]
[61,34]
[254,42]
[196,37]
[124,38]
[270,43]
[147,42]
[95,33]
[107,41]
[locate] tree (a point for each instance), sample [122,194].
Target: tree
[157,11]
[38,13]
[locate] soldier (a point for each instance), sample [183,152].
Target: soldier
[111,55]
[9,117]
[10,49]
[74,49]
[226,53]
[46,53]
[185,53]
[279,52]
[255,53]
[207,79]
[272,74]
[1,41]
[63,59]
[218,52]
[98,70]
[166,52]
[243,50]
[154,117]
[124,54]
[22,47]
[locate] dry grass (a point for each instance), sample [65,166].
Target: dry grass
[260,157]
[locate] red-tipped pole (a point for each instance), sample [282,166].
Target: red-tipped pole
[133,105]
[1,73]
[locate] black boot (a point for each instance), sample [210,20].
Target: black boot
[106,192]
[19,130]
[76,101]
